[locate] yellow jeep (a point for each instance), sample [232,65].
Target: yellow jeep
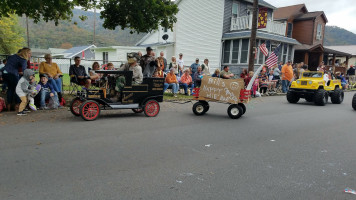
[314,88]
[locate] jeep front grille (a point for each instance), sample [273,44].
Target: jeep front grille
[304,83]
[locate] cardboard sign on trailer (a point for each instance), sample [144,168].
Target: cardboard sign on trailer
[225,90]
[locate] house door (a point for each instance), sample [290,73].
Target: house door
[313,61]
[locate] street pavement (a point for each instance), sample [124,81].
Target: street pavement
[276,150]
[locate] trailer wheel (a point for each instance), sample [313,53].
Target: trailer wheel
[137,110]
[75,106]
[234,111]
[206,106]
[354,102]
[151,108]
[243,108]
[199,108]
[90,110]
[337,97]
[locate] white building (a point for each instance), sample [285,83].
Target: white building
[115,53]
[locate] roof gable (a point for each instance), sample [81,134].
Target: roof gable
[312,15]
[289,11]
[76,50]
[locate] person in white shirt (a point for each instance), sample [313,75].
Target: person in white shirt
[180,63]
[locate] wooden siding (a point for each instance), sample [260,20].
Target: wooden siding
[227,16]
[198,32]
[319,20]
[303,31]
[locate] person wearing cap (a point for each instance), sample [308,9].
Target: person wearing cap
[194,66]
[132,65]
[147,59]
[287,76]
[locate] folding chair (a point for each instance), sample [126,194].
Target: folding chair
[73,87]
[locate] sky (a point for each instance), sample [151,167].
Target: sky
[341,13]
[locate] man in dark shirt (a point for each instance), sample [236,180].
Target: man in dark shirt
[147,59]
[351,71]
[78,73]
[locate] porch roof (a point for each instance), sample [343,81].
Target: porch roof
[260,35]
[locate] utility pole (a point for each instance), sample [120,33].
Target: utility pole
[94,24]
[28,34]
[251,60]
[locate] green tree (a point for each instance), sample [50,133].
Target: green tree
[10,35]
[138,15]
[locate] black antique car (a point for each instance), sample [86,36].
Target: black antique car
[144,97]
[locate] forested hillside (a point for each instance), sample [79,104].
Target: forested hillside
[338,36]
[77,33]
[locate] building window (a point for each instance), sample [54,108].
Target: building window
[105,57]
[290,52]
[244,50]
[165,29]
[285,53]
[261,57]
[319,31]
[235,10]
[290,29]
[235,51]
[227,51]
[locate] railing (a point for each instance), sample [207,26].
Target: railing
[244,23]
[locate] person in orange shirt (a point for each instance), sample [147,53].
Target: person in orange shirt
[287,76]
[171,81]
[186,81]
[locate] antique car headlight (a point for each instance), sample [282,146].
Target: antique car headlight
[298,81]
[310,82]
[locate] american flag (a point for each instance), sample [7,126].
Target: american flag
[273,58]
[264,49]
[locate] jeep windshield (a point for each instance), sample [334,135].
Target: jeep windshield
[312,74]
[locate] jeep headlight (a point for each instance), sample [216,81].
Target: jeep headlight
[298,81]
[310,82]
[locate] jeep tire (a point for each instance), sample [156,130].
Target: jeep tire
[354,102]
[321,97]
[309,98]
[337,97]
[292,97]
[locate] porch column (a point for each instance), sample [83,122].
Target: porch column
[306,58]
[321,57]
[347,61]
[334,58]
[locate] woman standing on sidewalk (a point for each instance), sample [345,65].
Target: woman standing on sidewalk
[11,74]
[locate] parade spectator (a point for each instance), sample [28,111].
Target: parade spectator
[198,76]
[216,73]
[22,89]
[351,71]
[255,84]
[321,67]
[186,81]
[53,72]
[4,86]
[205,67]
[287,76]
[159,72]
[147,59]
[194,66]
[162,61]
[341,77]
[280,65]
[180,63]
[11,75]
[276,73]
[171,81]
[78,73]
[263,82]
[47,91]
[174,65]
[95,76]
[244,74]
[226,74]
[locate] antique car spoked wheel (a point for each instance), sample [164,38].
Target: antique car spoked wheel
[151,108]
[75,106]
[89,110]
